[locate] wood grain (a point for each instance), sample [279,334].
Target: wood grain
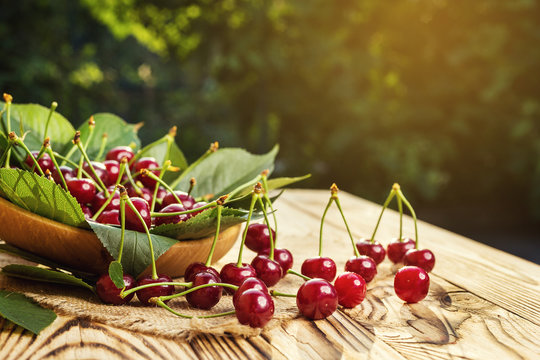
[475,309]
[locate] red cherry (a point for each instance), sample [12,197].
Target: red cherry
[101,198]
[100,170]
[187,200]
[422,258]
[254,308]
[373,250]
[197,267]
[120,152]
[155,291]
[207,297]
[82,189]
[147,163]
[109,293]
[267,270]
[160,220]
[232,274]
[250,283]
[363,266]
[317,299]
[111,217]
[396,249]
[283,257]
[258,237]
[68,173]
[198,205]
[45,162]
[319,267]
[142,193]
[87,212]
[113,169]
[411,284]
[132,220]
[351,289]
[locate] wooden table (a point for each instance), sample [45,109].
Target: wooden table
[483,304]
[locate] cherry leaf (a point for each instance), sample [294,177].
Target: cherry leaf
[24,312]
[116,273]
[44,275]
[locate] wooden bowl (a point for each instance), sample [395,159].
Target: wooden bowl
[81,249]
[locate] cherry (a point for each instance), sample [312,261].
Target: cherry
[207,297]
[147,163]
[120,152]
[351,289]
[45,162]
[142,193]
[250,283]
[421,258]
[373,250]
[258,237]
[113,169]
[397,249]
[283,257]
[100,198]
[100,170]
[232,274]
[411,284]
[187,200]
[109,293]
[82,189]
[319,267]
[254,308]
[267,270]
[67,172]
[111,217]
[198,267]
[173,219]
[132,220]
[159,197]
[363,266]
[317,299]
[198,205]
[155,291]
[87,212]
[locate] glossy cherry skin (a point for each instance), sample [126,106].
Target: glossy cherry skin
[142,193]
[110,294]
[269,271]
[101,198]
[45,162]
[250,283]
[363,266]
[351,289]
[111,217]
[87,212]
[147,163]
[113,169]
[155,291]
[283,257]
[100,170]
[231,274]
[319,267]
[396,249]
[68,173]
[254,308]
[373,250]
[258,237]
[82,189]
[205,298]
[422,258]
[132,220]
[187,200]
[119,152]
[317,299]
[160,220]
[411,284]
[198,205]
[197,267]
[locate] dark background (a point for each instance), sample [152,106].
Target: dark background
[441,96]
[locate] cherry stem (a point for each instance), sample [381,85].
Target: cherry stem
[136,187]
[192,289]
[151,175]
[166,307]
[211,253]
[166,165]
[8,130]
[104,140]
[213,148]
[122,226]
[291,271]
[72,163]
[272,245]
[400,208]
[21,143]
[104,206]
[400,195]
[192,183]
[242,187]
[277,293]
[264,178]
[356,252]
[6,152]
[385,205]
[97,178]
[49,151]
[54,105]
[134,209]
[254,197]
[322,223]
[123,294]
[209,205]
[146,148]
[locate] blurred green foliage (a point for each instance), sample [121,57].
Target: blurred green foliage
[442,96]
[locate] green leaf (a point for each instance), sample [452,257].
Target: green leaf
[44,275]
[24,312]
[273,184]
[118,133]
[225,170]
[136,255]
[116,273]
[41,196]
[176,156]
[203,224]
